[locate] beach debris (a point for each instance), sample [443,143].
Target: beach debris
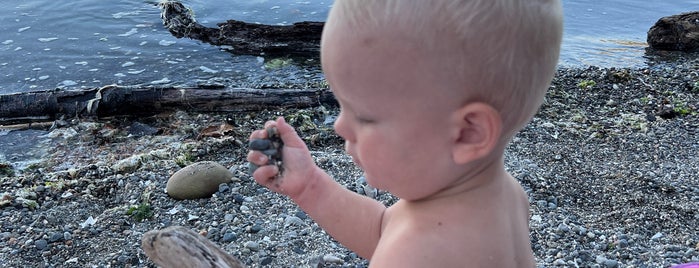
[301,39]
[216,131]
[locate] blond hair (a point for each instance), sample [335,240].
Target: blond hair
[502,52]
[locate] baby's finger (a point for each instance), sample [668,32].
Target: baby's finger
[258,134]
[257,158]
[270,124]
[288,134]
[265,175]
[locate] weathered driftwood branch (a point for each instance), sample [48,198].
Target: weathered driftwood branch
[177,246]
[112,100]
[301,39]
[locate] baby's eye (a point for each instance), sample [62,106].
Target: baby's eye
[363,120]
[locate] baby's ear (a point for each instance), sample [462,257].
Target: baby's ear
[476,129]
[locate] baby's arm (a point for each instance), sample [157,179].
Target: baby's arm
[352,219]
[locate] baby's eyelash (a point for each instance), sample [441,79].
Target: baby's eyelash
[363,120]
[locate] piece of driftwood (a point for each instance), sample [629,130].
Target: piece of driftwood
[677,32]
[301,39]
[177,246]
[38,106]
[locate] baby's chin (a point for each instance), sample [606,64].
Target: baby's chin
[370,180]
[356,161]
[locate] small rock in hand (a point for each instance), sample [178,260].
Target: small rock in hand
[271,146]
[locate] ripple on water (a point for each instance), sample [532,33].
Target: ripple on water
[22,147]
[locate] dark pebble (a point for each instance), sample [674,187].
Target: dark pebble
[259,144]
[238,198]
[255,229]
[266,261]
[140,129]
[229,237]
[261,191]
[623,243]
[298,250]
[55,237]
[67,236]
[611,263]
[270,152]
[41,244]
[650,117]
[223,187]
[301,215]
[251,168]
[212,233]
[123,259]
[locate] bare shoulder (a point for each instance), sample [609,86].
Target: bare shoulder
[486,231]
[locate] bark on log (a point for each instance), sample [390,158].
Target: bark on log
[301,39]
[26,107]
[177,246]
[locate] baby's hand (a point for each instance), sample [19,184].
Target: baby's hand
[270,146]
[297,166]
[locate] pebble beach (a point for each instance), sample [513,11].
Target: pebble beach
[609,163]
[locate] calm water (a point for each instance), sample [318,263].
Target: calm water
[46,44]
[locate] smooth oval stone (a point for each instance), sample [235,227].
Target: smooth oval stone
[198,180]
[260,144]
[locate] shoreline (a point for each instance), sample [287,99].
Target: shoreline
[609,164]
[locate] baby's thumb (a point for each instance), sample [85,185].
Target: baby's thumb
[288,134]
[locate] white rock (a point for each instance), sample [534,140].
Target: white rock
[330,258]
[128,165]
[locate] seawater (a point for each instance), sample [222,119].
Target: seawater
[47,44]
[613,33]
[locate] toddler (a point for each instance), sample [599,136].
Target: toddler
[430,94]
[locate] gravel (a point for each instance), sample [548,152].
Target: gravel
[610,165]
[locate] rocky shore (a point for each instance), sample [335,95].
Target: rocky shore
[610,165]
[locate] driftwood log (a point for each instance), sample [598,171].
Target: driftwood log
[111,100]
[177,246]
[677,32]
[301,39]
